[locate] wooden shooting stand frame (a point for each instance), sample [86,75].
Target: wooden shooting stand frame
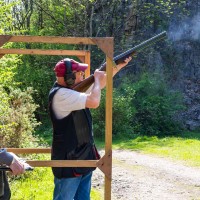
[106,45]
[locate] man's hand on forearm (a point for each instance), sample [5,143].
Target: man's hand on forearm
[118,67]
[18,165]
[93,99]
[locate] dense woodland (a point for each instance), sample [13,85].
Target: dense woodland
[157,94]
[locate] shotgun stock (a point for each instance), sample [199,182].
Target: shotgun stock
[86,83]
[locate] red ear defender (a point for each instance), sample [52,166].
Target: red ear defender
[65,68]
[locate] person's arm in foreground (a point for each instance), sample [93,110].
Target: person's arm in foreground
[10,159]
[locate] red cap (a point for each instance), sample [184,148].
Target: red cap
[60,68]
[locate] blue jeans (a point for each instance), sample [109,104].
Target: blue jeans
[77,188]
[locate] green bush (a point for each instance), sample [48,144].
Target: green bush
[37,72]
[16,108]
[145,107]
[122,112]
[155,107]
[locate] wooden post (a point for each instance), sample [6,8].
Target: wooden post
[106,45]
[108,135]
[87,60]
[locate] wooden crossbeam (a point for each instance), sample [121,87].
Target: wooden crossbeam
[54,39]
[62,163]
[43,52]
[105,44]
[104,164]
[29,150]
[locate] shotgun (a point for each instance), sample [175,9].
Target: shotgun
[86,83]
[5,168]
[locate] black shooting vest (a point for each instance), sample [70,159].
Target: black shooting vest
[72,139]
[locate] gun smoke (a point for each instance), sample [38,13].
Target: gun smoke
[189,29]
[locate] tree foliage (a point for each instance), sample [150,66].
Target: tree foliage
[123,112]
[17,108]
[155,107]
[145,107]
[128,21]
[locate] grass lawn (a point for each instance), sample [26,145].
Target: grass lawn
[185,148]
[38,184]
[35,185]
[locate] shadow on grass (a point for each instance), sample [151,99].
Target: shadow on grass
[191,135]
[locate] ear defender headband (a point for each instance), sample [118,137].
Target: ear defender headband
[69,76]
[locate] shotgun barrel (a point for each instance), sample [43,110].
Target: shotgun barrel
[120,58]
[86,83]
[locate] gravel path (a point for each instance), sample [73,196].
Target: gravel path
[144,177]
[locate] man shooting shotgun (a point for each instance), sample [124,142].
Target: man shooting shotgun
[70,99]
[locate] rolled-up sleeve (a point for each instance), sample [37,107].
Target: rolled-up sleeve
[5,157]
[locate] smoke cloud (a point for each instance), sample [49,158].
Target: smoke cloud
[189,29]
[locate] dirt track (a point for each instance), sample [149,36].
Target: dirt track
[143,177]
